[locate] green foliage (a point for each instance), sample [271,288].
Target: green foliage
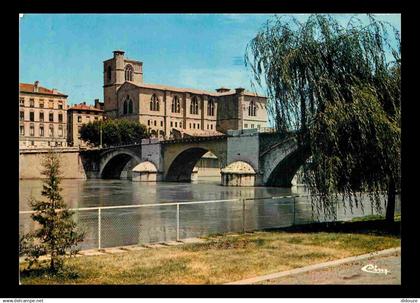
[339,87]
[58,234]
[114,132]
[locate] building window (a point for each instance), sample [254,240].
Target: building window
[60,105]
[155,122]
[246,125]
[258,126]
[21,116]
[96,118]
[22,101]
[190,125]
[130,106]
[60,130]
[108,73]
[79,119]
[176,107]
[31,103]
[194,125]
[154,103]
[211,126]
[161,123]
[51,131]
[171,123]
[252,109]
[32,116]
[180,124]
[128,73]
[78,131]
[51,117]
[252,125]
[51,103]
[41,116]
[31,130]
[148,122]
[32,143]
[41,130]
[60,117]
[210,108]
[41,103]
[176,124]
[22,130]
[194,106]
[198,125]
[125,107]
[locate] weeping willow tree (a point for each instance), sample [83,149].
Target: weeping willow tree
[338,87]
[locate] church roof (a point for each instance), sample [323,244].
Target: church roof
[192,90]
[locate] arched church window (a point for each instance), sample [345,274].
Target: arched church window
[252,109]
[108,73]
[125,107]
[130,106]
[128,73]
[154,103]
[210,108]
[176,105]
[194,106]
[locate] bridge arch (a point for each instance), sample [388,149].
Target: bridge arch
[113,163]
[281,163]
[180,160]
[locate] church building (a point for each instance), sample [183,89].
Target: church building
[171,111]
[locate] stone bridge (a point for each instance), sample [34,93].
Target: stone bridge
[246,158]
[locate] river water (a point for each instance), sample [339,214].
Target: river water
[128,226]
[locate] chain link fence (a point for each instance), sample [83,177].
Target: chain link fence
[153,223]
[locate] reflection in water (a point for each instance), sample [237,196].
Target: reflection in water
[156,224]
[89,193]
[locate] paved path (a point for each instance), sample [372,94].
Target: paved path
[344,271]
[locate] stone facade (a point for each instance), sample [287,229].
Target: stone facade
[42,117]
[78,115]
[164,109]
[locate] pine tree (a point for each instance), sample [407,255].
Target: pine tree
[58,234]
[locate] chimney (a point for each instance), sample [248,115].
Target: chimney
[54,91]
[239,90]
[118,53]
[84,103]
[97,103]
[222,90]
[36,86]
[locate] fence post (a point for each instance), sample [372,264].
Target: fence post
[177,221]
[294,209]
[99,228]
[243,215]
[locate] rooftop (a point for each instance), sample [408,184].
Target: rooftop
[32,88]
[83,106]
[193,91]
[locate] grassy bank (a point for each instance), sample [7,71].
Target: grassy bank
[227,258]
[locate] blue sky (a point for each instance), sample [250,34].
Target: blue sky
[203,51]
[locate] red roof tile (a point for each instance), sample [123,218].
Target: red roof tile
[82,106]
[29,88]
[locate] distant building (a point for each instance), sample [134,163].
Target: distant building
[171,111]
[42,117]
[80,114]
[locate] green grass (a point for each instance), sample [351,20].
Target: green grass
[224,258]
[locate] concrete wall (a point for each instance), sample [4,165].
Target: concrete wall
[30,165]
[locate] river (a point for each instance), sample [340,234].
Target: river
[128,226]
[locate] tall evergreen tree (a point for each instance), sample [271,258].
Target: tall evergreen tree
[58,234]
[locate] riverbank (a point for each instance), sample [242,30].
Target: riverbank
[225,258]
